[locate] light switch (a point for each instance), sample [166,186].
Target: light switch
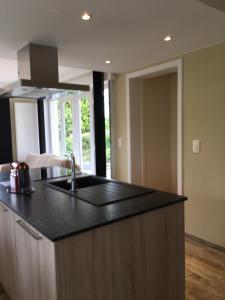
[196,146]
[119,142]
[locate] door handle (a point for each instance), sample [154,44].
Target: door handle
[2,208]
[28,230]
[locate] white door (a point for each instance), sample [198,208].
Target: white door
[26,129]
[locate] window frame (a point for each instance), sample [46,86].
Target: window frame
[52,121]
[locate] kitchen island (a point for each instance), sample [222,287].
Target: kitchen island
[55,246]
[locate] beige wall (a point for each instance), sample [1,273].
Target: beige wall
[119,127]
[136,131]
[204,119]
[159,132]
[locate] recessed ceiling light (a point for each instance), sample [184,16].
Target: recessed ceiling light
[108,62]
[168,38]
[86,16]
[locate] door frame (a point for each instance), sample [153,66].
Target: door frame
[161,69]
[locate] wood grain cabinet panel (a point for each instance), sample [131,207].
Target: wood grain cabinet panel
[35,264]
[7,250]
[138,258]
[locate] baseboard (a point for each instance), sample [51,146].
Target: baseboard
[204,242]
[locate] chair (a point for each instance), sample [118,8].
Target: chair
[44,160]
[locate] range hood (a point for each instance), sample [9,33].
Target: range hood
[38,74]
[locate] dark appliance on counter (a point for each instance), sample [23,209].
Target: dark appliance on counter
[20,182]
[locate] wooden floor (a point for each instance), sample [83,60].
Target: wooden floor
[205,273]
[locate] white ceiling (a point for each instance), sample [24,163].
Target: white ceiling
[128,32]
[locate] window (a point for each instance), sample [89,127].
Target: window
[107,129]
[86,140]
[70,127]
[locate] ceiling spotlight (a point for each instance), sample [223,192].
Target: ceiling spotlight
[168,38]
[108,62]
[86,16]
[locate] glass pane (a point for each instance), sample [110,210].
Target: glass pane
[63,127]
[107,131]
[68,121]
[60,124]
[85,134]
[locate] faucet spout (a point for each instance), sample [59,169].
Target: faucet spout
[73,174]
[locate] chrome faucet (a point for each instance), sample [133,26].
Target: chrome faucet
[72,180]
[73,173]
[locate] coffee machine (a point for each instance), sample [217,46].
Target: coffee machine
[20,182]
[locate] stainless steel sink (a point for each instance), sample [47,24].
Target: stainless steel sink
[82,182]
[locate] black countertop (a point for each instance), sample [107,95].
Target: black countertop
[58,215]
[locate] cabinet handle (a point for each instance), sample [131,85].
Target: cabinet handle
[27,229]
[2,208]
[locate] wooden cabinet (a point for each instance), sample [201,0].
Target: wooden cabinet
[27,260]
[137,258]
[7,250]
[35,264]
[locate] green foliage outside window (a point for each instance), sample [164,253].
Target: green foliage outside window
[68,126]
[85,129]
[85,115]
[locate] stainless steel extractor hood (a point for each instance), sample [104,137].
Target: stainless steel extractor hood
[38,74]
